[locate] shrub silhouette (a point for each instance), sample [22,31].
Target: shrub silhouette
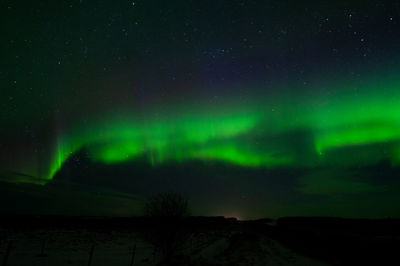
[168,205]
[167,232]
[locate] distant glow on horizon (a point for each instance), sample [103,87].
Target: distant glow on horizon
[237,217]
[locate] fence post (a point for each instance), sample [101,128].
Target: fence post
[133,254]
[42,254]
[8,251]
[154,254]
[91,255]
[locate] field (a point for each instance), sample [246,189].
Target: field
[211,241]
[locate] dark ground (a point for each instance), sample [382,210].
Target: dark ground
[333,241]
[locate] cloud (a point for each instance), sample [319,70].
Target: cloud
[333,182]
[66,199]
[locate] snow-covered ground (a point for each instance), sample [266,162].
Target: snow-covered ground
[115,248]
[247,249]
[74,248]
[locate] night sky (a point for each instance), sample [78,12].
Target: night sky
[248,108]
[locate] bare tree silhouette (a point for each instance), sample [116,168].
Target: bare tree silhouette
[167,232]
[169,205]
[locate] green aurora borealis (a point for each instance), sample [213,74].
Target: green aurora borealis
[253,137]
[248,108]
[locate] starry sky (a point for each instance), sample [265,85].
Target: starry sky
[249,108]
